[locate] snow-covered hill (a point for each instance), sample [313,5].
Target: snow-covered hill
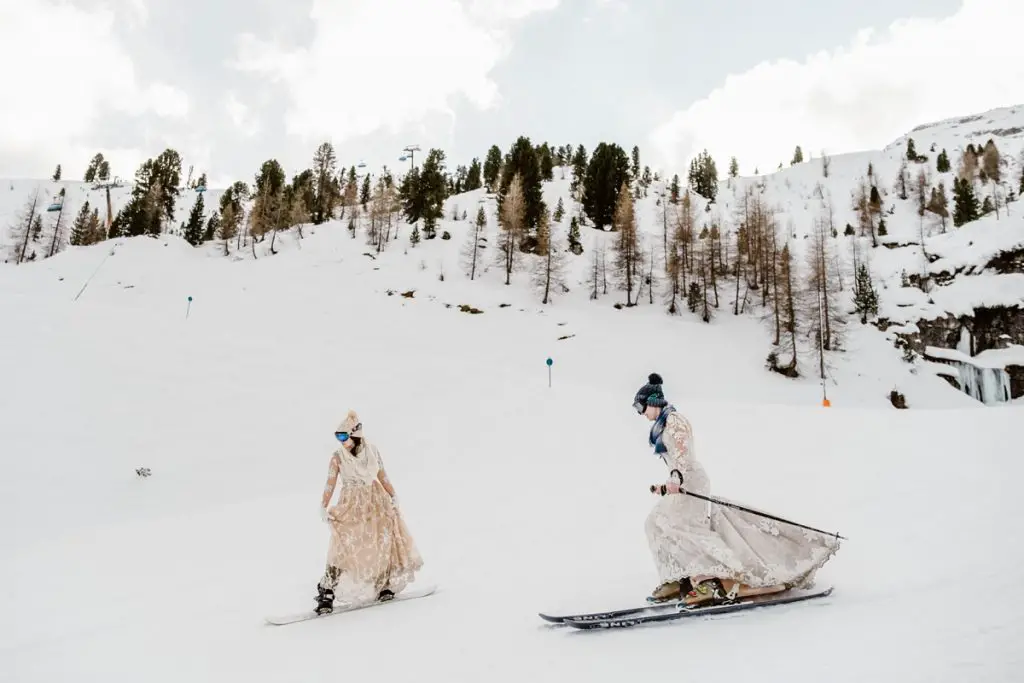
[927,298]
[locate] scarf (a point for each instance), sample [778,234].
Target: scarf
[657,429]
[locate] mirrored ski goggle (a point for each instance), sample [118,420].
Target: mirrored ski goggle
[639,407]
[345,436]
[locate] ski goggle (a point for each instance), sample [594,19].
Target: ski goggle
[639,407]
[345,436]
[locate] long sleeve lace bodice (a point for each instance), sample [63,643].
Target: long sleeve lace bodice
[353,470]
[682,456]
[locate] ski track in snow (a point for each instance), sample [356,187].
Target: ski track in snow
[522,498]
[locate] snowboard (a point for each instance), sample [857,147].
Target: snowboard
[345,608]
[673,611]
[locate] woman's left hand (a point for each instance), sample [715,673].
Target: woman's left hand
[672,487]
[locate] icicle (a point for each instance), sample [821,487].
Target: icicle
[988,385]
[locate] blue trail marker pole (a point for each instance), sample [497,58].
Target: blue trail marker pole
[189,309]
[550,363]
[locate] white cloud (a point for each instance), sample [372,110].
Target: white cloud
[861,96]
[241,116]
[63,68]
[386,64]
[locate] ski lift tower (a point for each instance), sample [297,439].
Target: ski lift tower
[106,186]
[410,153]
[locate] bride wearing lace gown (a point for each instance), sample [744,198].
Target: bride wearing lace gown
[371,552]
[706,552]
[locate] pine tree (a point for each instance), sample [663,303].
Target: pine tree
[798,156]
[575,245]
[547,163]
[734,167]
[364,193]
[473,179]
[56,174]
[81,233]
[194,228]
[703,176]
[674,190]
[965,203]
[635,168]
[559,211]
[607,173]
[942,162]
[579,171]
[326,187]
[522,161]
[432,189]
[865,297]
[492,168]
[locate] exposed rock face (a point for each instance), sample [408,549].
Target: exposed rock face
[1008,262]
[988,328]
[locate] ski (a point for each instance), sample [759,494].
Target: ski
[343,608]
[683,612]
[649,608]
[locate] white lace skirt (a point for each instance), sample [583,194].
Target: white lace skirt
[691,537]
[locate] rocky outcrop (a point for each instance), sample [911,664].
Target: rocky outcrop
[998,327]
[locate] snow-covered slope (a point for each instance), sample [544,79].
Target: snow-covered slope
[799,195]
[522,497]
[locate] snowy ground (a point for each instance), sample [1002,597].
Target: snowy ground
[522,497]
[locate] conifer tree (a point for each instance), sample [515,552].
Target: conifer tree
[492,168]
[798,156]
[81,230]
[522,161]
[364,193]
[575,245]
[865,298]
[942,162]
[965,203]
[56,174]
[703,176]
[606,175]
[194,228]
[326,188]
[473,179]
[559,211]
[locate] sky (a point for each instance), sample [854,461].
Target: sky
[232,83]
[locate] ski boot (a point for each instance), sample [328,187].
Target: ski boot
[324,600]
[673,590]
[385,595]
[709,592]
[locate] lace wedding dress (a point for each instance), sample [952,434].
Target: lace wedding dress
[370,547]
[690,537]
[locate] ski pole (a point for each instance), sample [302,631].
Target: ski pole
[663,490]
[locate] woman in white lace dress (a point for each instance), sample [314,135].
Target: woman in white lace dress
[371,552]
[708,552]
